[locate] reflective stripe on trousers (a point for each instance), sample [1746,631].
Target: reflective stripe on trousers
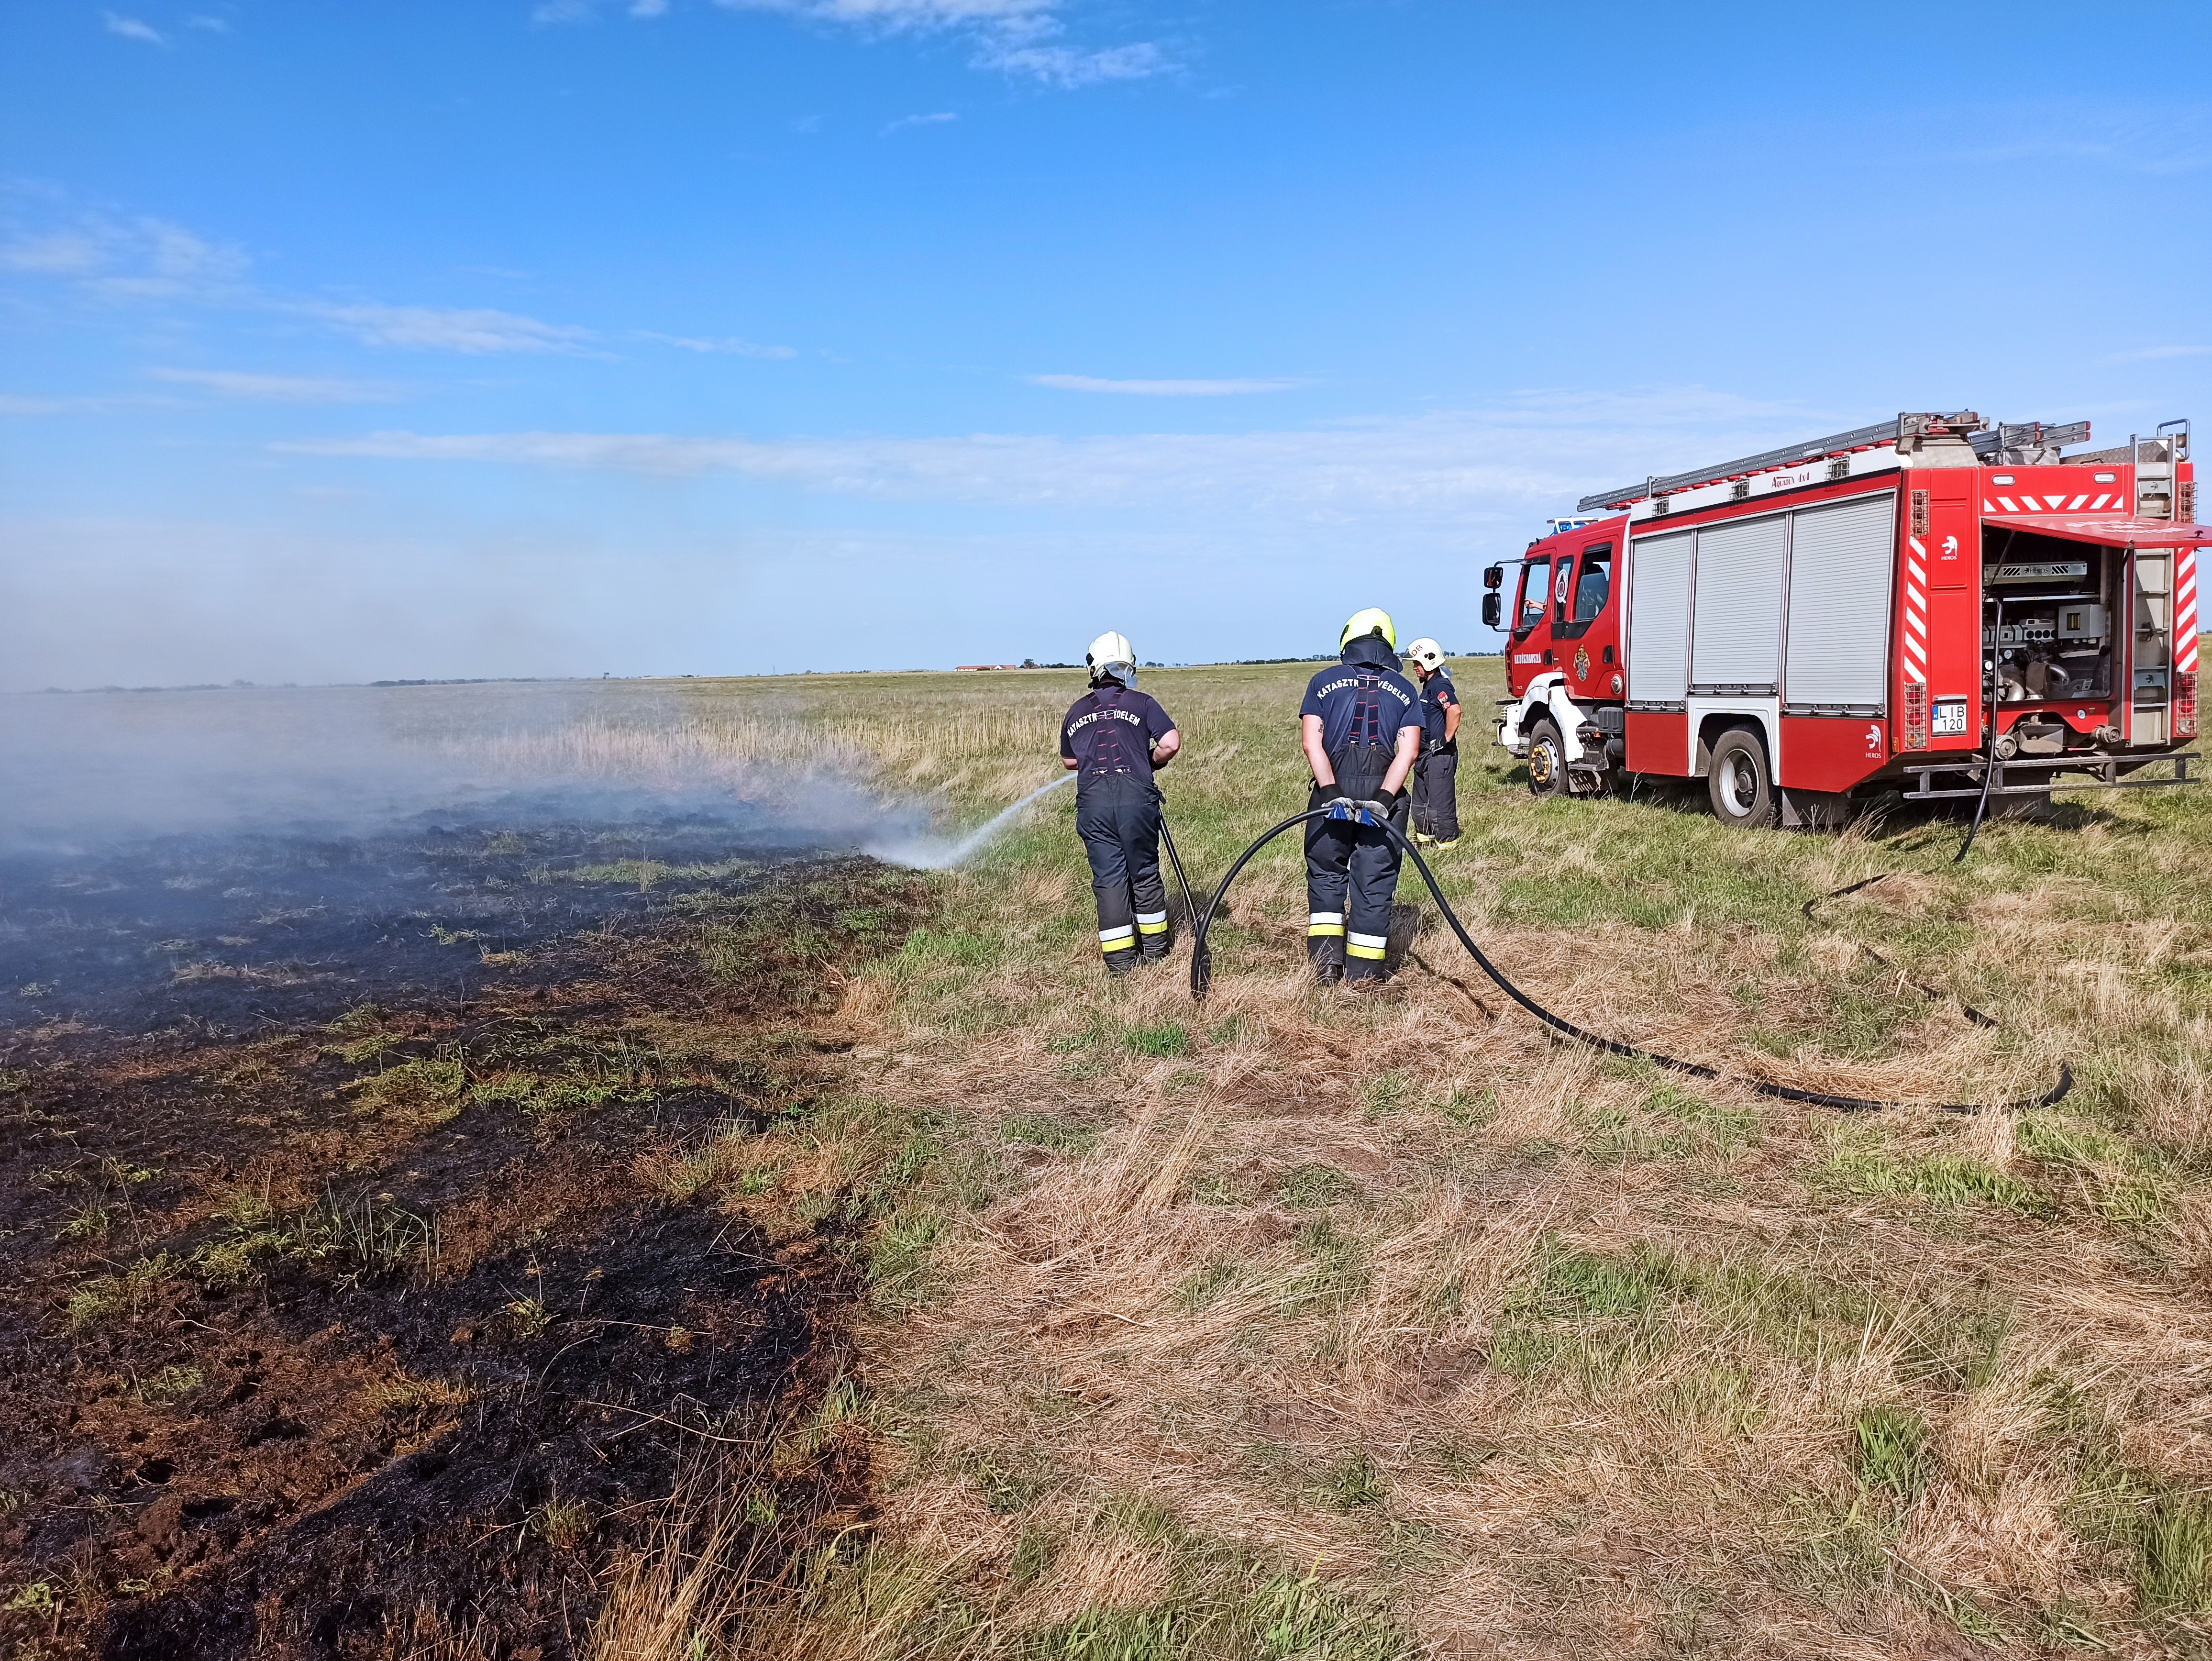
[1118,817]
[1352,871]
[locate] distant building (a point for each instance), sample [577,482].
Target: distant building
[978,668]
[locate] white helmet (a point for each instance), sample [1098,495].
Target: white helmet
[1427,653]
[1111,653]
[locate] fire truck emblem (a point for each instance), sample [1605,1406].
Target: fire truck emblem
[1582,663]
[1950,547]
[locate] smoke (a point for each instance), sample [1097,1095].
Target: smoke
[233,856]
[943,853]
[93,770]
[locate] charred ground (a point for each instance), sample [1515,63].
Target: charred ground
[369,1277]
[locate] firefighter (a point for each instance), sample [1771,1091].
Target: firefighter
[1436,776]
[1361,726]
[1115,738]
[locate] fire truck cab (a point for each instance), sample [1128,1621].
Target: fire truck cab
[1905,608]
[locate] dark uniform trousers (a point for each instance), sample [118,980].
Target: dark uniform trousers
[1118,817]
[1436,793]
[1351,871]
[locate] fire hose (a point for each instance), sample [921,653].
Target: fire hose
[1373,813]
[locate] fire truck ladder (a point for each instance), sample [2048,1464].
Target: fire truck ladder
[1991,443]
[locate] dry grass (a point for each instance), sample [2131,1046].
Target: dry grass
[1172,1308]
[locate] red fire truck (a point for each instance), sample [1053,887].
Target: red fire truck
[1898,608]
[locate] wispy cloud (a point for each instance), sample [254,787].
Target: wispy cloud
[1019,37]
[1545,447]
[278,388]
[121,257]
[60,253]
[586,11]
[936,120]
[16,404]
[477,332]
[2153,354]
[133,28]
[1083,383]
[1069,67]
[733,347]
[212,25]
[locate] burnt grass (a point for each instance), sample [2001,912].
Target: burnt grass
[334,1305]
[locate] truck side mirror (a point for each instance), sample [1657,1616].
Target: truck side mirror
[1493,608]
[1494,577]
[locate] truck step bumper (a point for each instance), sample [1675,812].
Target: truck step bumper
[2039,775]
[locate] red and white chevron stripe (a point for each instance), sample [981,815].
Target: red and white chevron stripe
[2185,611]
[1915,612]
[2058,504]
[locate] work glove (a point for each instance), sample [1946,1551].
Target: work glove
[1389,799]
[1434,746]
[1326,794]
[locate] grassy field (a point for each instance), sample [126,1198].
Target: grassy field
[1304,1323]
[991,1310]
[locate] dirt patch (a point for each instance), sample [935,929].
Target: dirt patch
[322,1328]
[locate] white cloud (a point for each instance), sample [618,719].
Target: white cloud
[1545,448]
[938,119]
[64,253]
[212,25]
[1065,66]
[132,29]
[142,254]
[735,348]
[278,388]
[1083,383]
[587,11]
[896,14]
[430,328]
[1019,37]
[15,404]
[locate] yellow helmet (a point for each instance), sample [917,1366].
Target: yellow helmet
[1372,621]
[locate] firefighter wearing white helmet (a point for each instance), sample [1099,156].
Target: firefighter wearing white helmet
[1436,776]
[1361,726]
[1114,739]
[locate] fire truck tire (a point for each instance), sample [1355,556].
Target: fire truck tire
[1547,760]
[1742,786]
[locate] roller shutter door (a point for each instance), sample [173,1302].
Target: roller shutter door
[1736,638]
[1840,561]
[1659,619]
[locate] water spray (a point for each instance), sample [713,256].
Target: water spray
[936,854]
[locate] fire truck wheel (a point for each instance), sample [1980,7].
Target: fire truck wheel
[1547,760]
[1742,789]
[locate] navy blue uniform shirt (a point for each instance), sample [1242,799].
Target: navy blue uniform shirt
[1362,699]
[1438,694]
[1112,729]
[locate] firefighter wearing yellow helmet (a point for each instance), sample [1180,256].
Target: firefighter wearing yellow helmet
[1114,739]
[1361,727]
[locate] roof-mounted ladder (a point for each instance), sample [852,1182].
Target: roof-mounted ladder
[1906,432]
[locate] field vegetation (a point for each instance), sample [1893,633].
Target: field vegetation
[1309,1323]
[1464,1341]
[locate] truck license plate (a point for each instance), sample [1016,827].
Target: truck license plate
[1950,718]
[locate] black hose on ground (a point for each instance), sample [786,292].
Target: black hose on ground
[1189,904]
[1201,977]
[1990,761]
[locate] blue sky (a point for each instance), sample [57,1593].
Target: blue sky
[341,342]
